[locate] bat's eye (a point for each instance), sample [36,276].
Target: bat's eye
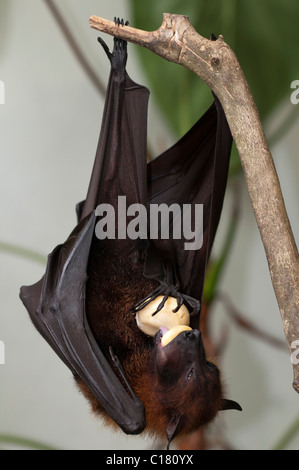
[191,374]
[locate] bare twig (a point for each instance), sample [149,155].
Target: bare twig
[75,47]
[177,41]
[248,325]
[23,252]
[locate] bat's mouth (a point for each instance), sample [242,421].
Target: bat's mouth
[166,336]
[162,331]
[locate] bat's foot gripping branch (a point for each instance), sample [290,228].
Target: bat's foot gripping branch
[118,57]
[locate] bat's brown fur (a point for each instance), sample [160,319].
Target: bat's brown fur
[112,289]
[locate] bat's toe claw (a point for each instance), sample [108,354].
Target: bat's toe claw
[180,302]
[167,291]
[120,22]
[146,300]
[195,307]
[105,47]
[118,57]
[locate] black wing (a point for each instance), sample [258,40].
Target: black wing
[120,163]
[194,171]
[56,304]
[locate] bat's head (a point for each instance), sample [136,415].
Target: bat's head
[188,386]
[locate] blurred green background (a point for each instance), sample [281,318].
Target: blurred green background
[262,33]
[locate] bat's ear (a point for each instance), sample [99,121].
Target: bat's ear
[173,428]
[230,405]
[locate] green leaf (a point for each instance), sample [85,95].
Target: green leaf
[288,436]
[215,266]
[23,442]
[17,250]
[262,33]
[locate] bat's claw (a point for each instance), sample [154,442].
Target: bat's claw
[105,47]
[146,300]
[120,45]
[120,369]
[118,57]
[193,305]
[166,290]
[121,22]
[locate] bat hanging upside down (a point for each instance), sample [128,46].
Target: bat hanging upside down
[122,310]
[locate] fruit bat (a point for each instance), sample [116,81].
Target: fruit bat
[101,301]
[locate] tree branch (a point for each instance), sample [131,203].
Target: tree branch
[215,63]
[78,53]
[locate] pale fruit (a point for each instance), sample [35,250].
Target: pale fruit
[173,333]
[150,324]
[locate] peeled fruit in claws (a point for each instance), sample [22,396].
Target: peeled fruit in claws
[150,324]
